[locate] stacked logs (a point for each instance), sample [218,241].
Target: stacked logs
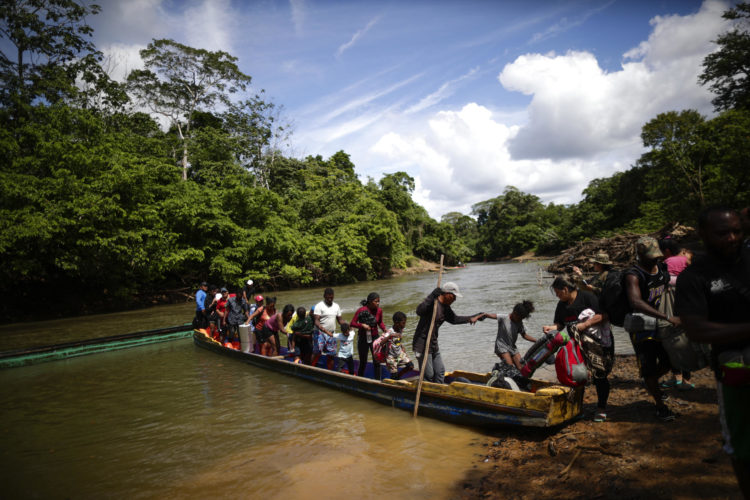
[620,248]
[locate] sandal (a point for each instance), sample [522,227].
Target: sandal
[600,417]
[668,383]
[685,386]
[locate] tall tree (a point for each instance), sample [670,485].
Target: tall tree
[250,124]
[728,69]
[51,42]
[180,80]
[676,164]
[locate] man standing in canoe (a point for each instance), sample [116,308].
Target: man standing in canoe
[325,316]
[200,320]
[442,298]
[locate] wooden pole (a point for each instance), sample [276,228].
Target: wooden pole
[427,345]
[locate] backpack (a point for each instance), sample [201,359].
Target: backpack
[599,359]
[569,365]
[614,297]
[507,377]
[380,349]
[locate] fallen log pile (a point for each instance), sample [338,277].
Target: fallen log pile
[620,248]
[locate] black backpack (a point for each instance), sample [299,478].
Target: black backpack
[614,297]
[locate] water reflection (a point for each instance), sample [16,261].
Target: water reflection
[171,420]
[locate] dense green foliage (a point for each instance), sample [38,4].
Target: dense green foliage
[728,69]
[99,205]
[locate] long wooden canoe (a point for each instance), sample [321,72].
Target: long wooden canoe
[41,354]
[472,403]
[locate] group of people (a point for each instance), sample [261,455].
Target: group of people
[707,296]
[711,302]
[311,335]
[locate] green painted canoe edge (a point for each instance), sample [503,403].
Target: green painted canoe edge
[83,350]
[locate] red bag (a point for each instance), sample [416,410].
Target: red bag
[380,349]
[570,367]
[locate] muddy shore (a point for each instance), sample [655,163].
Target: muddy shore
[632,455]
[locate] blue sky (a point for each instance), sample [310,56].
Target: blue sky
[466,97]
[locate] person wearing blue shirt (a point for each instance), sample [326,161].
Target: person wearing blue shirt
[200,320]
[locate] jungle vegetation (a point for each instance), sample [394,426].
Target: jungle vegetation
[99,205]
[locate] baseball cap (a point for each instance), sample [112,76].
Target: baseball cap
[451,287]
[648,247]
[258,298]
[249,282]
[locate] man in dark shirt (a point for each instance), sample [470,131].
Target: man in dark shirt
[441,300]
[713,301]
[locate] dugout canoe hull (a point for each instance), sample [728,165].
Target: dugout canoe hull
[42,354]
[461,403]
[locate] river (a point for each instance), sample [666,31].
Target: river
[173,420]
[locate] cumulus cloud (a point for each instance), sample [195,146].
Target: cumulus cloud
[579,110]
[463,159]
[582,123]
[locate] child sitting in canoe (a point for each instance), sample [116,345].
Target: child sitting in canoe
[346,349]
[302,331]
[396,357]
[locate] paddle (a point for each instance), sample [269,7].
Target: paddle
[427,345]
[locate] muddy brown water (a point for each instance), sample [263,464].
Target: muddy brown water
[173,420]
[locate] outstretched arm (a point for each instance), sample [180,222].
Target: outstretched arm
[528,337]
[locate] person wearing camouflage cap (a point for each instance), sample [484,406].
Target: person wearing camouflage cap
[602,265]
[645,283]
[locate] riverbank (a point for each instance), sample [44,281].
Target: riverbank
[632,455]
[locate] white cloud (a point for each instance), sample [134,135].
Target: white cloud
[582,123]
[209,25]
[130,25]
[462,158]
[121,22]
[120,59]
[579,110]
[359,34]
